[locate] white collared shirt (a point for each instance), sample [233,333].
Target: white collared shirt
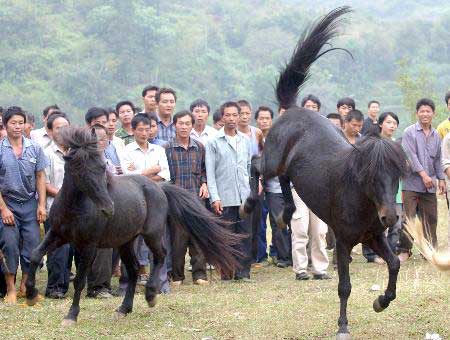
[54,172]
[41,137]
[205,136]
[144,159]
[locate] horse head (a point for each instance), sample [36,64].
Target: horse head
[87,167]
[376,165]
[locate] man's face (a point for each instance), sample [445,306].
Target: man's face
[27,129]
[58,124]
[141,133]
[126,114]
[166,104]
[245,116]
[264,120]
[336,122]
[343,110]
[153,129]
[15,127]
[102,139]
[102,120]
[150,101]
[183,126]
[230,117]
[201,114]
[310,105]
[425,114]
[353,127]
[374,109]
[112,123]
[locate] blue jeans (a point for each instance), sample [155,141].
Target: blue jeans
[17,242]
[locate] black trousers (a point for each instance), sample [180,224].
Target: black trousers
[281,238]
[57,267]
[99,276]
[2,284]
[181,241]
[241,227]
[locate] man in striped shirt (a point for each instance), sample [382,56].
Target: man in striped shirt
[186,158]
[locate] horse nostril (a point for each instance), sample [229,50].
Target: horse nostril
[383,220]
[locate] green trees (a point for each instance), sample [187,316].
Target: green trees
[84,53]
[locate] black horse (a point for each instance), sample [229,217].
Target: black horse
[97,210]
[351,188]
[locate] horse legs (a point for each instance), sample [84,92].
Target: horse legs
[344,287]
[289,207]
[128,257]
[86,258]
[155,242]
[380,246]
[51,242]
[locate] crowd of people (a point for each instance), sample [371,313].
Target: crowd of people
[213,162]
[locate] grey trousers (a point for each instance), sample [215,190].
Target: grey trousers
[99,276]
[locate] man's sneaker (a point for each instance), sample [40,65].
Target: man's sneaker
[142,279]
[100,294]
[119,292]
[321,277]
[282,264]
[55,295]
[210,266]
[302,276]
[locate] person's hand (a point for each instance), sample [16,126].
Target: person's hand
[41,214]
[8,217]
[260,187]
[217,207]
[427,181]
[442,187]
[131,167]
[203,193]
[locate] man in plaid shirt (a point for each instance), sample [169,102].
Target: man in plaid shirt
[186,158]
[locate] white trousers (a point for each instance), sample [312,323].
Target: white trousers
[306,227]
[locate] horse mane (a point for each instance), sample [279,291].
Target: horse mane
[82,145]
[307,51]
[373,156]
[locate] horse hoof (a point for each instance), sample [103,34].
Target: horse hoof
[119,315]
[33,301]
[343,336]
[68,323]
[152,303]
[377,306]
[242,213]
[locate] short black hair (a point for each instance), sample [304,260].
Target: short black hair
[335,116]
[312,98]
[48,108]
[140,118]
[447,97]
[124,102]
[94,113]
[346,101]
[356,115]
[13,111]
[373,102]
[264,108]
[165,90]
[217,116]
[30,117]
[243,102]
[229,104]
[55,116]
[182,114]
[152,116]
[425,102]
[384,115]
[149,88]
[112,110]
[199,103]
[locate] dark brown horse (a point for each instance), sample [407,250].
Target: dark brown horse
[351,188]
[97,210]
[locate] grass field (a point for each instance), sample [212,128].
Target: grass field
[274,307]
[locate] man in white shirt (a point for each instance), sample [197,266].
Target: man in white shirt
[201,132]
[57,260]
[42,135]
[143,158]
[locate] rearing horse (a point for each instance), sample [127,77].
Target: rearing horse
[351,188]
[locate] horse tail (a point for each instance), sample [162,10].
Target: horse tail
[308,49]
[210,232]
